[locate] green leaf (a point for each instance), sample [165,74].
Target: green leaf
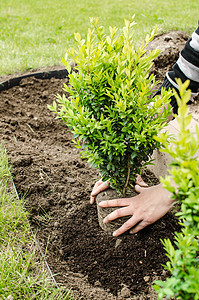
[77,36]
[67,65]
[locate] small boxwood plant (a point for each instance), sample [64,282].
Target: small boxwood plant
[183,257]
[109,107]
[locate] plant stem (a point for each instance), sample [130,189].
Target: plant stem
[127,180]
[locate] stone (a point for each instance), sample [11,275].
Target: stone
[146,278]
[70,180]
[125,292]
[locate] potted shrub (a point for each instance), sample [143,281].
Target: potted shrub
[109,106]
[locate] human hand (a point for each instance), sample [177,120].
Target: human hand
[101,186]
[147,207]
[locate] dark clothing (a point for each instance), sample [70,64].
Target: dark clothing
[186,67]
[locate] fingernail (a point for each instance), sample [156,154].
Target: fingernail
[114,233]
[105,220]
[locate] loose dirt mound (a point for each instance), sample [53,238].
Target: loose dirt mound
[57,183]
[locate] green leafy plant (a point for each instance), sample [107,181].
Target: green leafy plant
[183,257]
[110,108]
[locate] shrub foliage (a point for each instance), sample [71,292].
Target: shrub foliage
[183,257]
[110,108]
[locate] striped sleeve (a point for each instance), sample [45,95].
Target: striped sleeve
[186,67]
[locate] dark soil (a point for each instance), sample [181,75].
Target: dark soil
[57,183]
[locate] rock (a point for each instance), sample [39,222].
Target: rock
[61,252]
[56,224]
[97,283]
[10,297]
[146,278]
[118,242]
[70,179]
[125,292]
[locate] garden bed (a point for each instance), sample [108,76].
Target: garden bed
[57,184]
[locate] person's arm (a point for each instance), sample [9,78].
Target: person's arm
[185,68]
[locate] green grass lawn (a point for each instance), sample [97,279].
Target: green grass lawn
[22,274]
[35,33]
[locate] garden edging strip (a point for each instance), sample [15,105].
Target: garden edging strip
[60,73]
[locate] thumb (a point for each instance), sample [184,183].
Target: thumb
[140,181]
[139,188]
